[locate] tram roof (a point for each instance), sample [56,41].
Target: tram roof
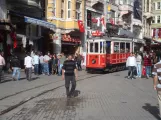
[105,38]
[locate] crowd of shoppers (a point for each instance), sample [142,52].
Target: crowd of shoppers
[137,63]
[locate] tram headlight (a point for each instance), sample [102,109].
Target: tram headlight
[93,61]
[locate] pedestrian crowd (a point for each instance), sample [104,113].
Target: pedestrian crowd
[48,64]
[141,65]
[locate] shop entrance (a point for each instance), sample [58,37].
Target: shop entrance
[69,49]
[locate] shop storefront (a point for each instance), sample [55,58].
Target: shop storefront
[70,44]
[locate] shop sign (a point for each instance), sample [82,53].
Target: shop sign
[39,22]
[68,38]
[96,33]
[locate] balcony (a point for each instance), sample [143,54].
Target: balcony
[147,14]
[124,9]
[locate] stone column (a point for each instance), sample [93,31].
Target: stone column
[57,43]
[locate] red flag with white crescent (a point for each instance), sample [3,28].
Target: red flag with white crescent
[81,26]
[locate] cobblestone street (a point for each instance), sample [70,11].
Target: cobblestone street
[103,97]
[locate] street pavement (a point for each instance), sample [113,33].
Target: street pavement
[102,97]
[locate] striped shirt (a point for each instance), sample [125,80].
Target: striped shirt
[157,70]
[69,66]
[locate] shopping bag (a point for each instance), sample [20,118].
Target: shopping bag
[144,71]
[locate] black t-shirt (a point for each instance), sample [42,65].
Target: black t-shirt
[69,66]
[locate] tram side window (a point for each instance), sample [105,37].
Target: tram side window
[116,47]
[101,47]
[96,47]
[108,47]
[127,47]
[122,47]
[91,47]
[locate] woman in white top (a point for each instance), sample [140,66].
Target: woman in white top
[138,62]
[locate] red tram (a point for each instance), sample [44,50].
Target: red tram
[108,53]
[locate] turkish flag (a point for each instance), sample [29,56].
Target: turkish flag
[13,36]
[81,26]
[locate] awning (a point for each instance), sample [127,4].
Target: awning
[39,22]
[139,41]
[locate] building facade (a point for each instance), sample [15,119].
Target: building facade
[65,14]
[156,22]
[127,15]
[147,22]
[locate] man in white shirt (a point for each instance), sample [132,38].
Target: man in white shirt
[2,64]
[46,64]
[41,63]
[28,66]
[36,63]
[131,64]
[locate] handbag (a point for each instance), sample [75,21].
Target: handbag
[143,71]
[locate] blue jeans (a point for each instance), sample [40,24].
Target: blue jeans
[16,70]
[36,68]
[148,70]
[139,70]
[41,68]
[60,69]
[46,68]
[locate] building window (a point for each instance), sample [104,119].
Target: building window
[62,9]
[89,18]
[147,6]
[153,20]
[77,13]
[112,15]
[69,9]
[158,5]
[153,8]
[158,19]
[125,1]
[54,8]
[62,13]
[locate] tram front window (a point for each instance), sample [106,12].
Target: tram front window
[96,47]
[108,47]
[91,47]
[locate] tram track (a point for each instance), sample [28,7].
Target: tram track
[5,97]
[42,93]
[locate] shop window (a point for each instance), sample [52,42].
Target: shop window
[122,47]
[127,47]
[108,47]
[91,47]
[158,19]
[116,47]
[96,47]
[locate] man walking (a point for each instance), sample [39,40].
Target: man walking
[15,63]
[69,73]
[28,66]
[41,64]
[131,64]
[147,64]
[157,82]
[46,64]
[36,63]
[2,64]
